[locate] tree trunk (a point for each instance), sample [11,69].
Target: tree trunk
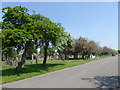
[6,56]
[36,61]
[75,56]
[45,53]
[19,67]
[61,56]
[83,56]
[66,57]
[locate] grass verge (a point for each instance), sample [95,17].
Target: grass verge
[30,70]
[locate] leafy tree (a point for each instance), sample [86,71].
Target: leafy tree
[14,32]
[50,33]
[65,45]
[79,47]
[91,48]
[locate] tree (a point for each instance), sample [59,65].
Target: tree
[65,45]
[79,47]
[51,35]
[91,48]
[15,33]
[99,51]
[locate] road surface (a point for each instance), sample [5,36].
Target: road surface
[96,74]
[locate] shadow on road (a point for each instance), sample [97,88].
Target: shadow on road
[29,69]
[105,81]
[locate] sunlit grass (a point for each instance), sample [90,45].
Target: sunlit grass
[29,70]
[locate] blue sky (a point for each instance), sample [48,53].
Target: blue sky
[96,21]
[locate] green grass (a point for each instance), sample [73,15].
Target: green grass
[30,70]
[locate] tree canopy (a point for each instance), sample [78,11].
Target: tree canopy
[20,29]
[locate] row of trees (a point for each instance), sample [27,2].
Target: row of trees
[84,47]
[24,33]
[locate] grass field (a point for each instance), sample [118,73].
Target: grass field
[30,70]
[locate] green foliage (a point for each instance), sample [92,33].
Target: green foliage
[31,49]
[107,51]
[119,51]
[65,42]
[11,52]
[114,51]
[50,51]
[13,31]
[15,17]
[20,28]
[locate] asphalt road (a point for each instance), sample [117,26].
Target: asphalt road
[96,74]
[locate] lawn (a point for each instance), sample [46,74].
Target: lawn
[30,70]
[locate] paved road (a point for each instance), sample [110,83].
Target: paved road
[97,74]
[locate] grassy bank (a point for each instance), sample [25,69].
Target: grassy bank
[29,70]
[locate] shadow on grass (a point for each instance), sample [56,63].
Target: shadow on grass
[28,69]
[105,81]
[75,59]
